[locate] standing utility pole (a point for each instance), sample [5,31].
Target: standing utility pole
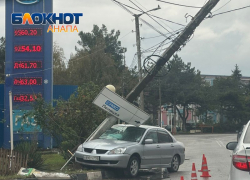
[160,103]
[138,44]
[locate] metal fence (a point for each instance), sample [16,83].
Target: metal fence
[11,164]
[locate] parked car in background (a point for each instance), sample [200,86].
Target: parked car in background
[132,148]
[168,127]
[240,166]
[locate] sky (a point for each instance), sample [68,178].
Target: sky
[217,45]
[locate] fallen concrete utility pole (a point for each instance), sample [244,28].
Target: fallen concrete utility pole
[177,43]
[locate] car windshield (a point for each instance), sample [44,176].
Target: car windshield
[124,133]
[247,136]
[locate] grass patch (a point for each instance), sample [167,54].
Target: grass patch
[52,162]
[11,177]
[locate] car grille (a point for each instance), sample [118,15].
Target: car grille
[101,151]
[96,162]
[98,151]
[88,150]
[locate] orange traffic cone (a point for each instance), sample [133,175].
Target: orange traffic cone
[203,161]
[205,169]
[193,174]
[182,178]
[203,164]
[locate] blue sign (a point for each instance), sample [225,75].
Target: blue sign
[24,124]
[112,105]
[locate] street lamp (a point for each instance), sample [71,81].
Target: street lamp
[138,44]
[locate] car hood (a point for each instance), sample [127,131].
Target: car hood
[107,144]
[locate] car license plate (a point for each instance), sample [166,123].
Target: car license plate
[91,158]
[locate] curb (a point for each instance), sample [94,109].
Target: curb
[97,175]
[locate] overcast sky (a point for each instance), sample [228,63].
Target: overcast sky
[218,44]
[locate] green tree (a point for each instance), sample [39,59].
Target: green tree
[231,95]
[72,121]
[182,86]
[236,73]
[207,102]
[111,45]
[60,75]
[100,60]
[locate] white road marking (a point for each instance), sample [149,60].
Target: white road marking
[218,143]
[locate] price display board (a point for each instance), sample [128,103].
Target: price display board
[24,97]
[28,66]
[28,32]
[27,48]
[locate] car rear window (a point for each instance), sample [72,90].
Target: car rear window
[247,136]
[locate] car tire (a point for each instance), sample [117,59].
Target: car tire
[132,167]
[175,163]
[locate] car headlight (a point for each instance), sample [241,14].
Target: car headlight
[117,151]
[80,148]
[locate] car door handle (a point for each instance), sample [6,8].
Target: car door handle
[172,145]
[158,146]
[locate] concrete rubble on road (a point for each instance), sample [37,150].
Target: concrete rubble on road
[40,174]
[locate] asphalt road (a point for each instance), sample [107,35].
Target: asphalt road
[213,146]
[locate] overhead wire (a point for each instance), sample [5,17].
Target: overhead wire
[178,31]
[222,6]
[230,11]
[178,4]
[150,16]
[121,5]
[166,20]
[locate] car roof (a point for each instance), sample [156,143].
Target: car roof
[142,126]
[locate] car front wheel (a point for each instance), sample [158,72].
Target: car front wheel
[175,163]
[133,167]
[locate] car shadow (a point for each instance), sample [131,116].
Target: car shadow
[152,174]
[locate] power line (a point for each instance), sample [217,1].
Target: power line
[176,32]
[230,11]
[128,6]
[121,5]
[150,16]
[222,6]
[178,4]
[166,20]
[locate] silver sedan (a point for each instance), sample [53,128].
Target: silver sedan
[132,148]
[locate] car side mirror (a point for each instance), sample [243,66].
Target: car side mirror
[148,141]
[231,145]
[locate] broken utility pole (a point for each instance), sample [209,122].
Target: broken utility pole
[177,43]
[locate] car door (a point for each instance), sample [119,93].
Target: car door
[151,152]
[167,149]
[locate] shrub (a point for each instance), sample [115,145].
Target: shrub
[30,147]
